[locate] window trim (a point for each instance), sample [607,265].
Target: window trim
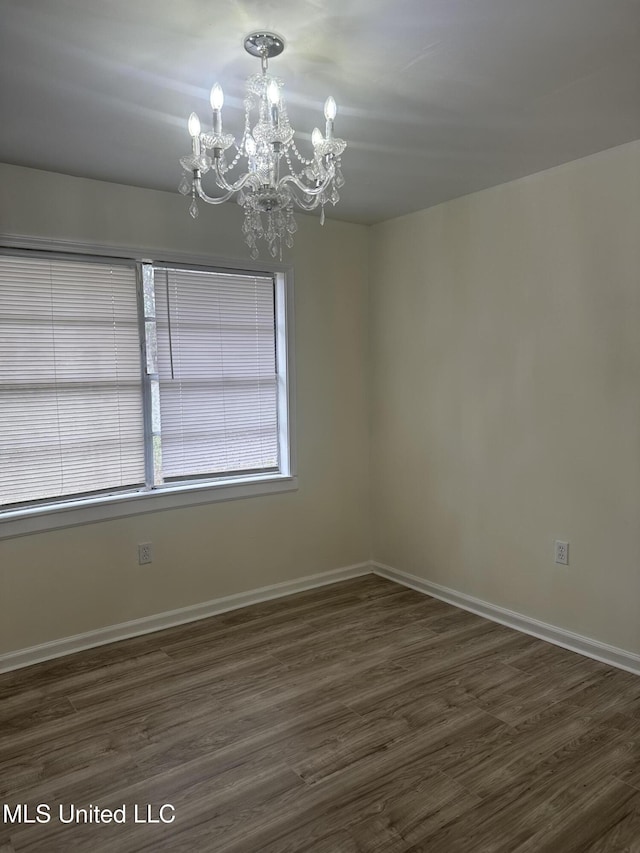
[87,510]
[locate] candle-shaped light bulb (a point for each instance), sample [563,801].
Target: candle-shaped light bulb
[194,126]
[273,97]
[330,109]
[273,93]
[194,131]
[217,97]
[316,137]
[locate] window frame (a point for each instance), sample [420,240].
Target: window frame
[78,510]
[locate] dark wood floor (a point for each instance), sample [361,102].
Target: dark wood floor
[357,717]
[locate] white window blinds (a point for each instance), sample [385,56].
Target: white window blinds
[217,372]
[71,418]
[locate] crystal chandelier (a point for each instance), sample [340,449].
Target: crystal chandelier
[270,185]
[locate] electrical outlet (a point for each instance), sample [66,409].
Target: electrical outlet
[145,553]
[562,553]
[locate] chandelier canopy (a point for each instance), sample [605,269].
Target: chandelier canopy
[276,176]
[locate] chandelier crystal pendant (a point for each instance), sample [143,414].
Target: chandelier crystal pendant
[270,186]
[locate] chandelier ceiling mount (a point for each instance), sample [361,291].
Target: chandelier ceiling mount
[277,176]
[264,44]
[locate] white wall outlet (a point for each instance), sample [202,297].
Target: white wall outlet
[145,553]
[561,551]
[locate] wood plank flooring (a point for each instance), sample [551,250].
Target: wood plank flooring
[361,717]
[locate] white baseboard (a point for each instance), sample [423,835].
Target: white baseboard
[148,624]
[543,631]
[113,633]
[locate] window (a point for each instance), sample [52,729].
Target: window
[71,382]
[122,380]
[217,377]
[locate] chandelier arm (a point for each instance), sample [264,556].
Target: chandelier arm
[306,205]
[224,184]
[197,183]
[294,179]
[315,202]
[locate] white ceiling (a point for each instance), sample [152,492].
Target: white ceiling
[437,98]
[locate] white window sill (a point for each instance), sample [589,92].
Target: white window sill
[21,522]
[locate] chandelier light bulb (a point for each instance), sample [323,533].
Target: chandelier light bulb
[217,97]
[194,125]
[273,93]
[316,137]
[330,108]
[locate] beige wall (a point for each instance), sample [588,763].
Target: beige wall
[56,584]
[504,335]
[505,347]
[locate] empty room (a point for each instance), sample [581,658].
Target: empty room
[320,426]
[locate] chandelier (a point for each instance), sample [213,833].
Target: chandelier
[276,175]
